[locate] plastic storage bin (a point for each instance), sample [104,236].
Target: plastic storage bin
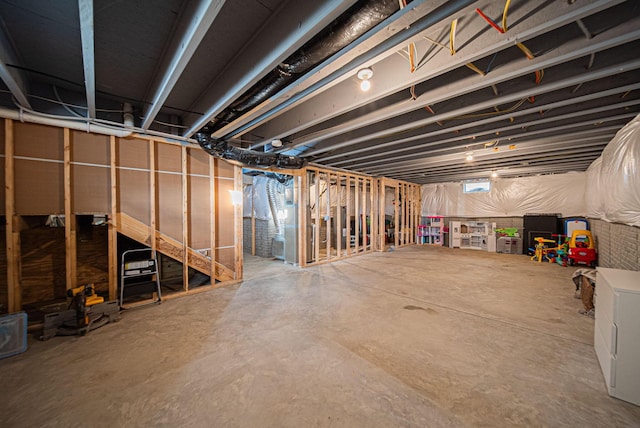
[13,334]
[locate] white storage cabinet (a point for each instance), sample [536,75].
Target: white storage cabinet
[617,331]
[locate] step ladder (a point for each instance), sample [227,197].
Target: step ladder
[137,264]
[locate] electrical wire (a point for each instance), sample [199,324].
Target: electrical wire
[504,15]
[452,37]
[489,20]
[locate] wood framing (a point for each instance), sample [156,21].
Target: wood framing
[237,224]
[113,219]
[14,298]
[69,214]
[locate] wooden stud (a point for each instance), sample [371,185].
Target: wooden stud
[153,194]
[212,216]
[349,214]
[70,218]
[253,224]
[302,199]
[14,297]
[316,256]
[339,216]
[327,193]
[113,220]
[237,224]
[356,208]
[372,213]
[185,220]
[363,216]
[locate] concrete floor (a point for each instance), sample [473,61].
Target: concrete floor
[422,336]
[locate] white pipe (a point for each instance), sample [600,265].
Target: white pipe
[62,123]
[127,115]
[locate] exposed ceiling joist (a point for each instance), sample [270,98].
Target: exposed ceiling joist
[85,7]
[198,26]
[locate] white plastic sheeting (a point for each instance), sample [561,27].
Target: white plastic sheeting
[613,179]
[256,197]
[338,197]
[562,193]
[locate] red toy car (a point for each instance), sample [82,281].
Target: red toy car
[582,248]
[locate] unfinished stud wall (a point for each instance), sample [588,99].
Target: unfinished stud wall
[170,197]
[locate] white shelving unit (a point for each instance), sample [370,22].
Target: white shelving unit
[474,235]
[617,331]
[430,230]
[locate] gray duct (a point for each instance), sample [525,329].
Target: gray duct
[360,18]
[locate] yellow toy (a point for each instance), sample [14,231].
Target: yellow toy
[541,249]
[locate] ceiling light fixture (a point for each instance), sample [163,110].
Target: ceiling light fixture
[365,74]
[494,174]
[276,143]
[469,156]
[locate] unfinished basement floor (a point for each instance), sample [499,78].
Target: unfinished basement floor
[419,337]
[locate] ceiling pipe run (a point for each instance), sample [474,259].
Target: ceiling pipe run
[222,149]
[352,24]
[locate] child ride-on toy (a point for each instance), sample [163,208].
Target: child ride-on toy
[582,249]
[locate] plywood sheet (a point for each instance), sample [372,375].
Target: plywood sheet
[226,257]
[38,141]
[224,215]
[133,153]
[4,302]
[198,161]
[199,212]
[91,191]
[134,194]
[43,276]
[2,183]
[39,187]
[90,148]
[92,255]
[168,157]
[224,169]
[169,211]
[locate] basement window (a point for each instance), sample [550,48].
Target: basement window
[476,187]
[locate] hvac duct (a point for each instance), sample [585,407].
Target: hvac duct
[222,149]
[361,17]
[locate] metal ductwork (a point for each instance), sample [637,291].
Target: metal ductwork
[361,17]
[222,149]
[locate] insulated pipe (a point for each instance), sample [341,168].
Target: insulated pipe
[434,17]
[352,24]
[80,126]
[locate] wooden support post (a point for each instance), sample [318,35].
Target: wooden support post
[338,216]
[153,195]
[253,224]
[237,224]
[356,207]
[113,220]
[302,199]
[327,194]
[363,216]
[382,243]
[396,212]
[185,220]
[372,214]
[316,243]
[212,217]
[14,297]
[348,215]
[69,214]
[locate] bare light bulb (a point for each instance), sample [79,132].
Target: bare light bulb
[494,174]
[469,157]
[365,85]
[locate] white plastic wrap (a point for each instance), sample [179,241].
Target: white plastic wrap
[561,193]
[261,198]
[614,178]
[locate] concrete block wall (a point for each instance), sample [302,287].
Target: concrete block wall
[618,245]
[265,232]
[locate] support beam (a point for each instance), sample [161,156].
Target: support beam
[213,215]
[185,219]
[69,214]
[200,22]
[113,218]
[14,295]
[237,224]
[88,54]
